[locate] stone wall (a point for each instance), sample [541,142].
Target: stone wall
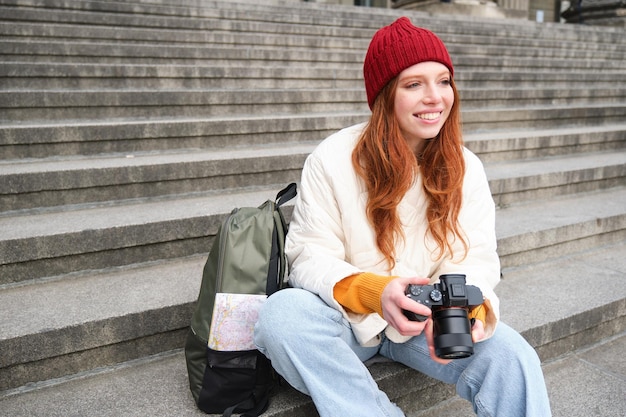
[544,10]
[515,9]
[597,12]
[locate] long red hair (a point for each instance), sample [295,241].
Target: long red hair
[388,166]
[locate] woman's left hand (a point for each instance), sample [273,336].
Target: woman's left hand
[478,331]
[431,343]
[478,334]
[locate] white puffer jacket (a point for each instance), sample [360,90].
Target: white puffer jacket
[330,237]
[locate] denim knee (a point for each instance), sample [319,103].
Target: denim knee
[504,376]
[512,345]
[272,319]
[286,314]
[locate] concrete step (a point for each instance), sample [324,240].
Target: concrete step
[129,103]
[42,242]
[185,54]
[93,320]
[157,385]
[314,20]
[498,118]
[81,320]
[546,178]
[111,209]
[22,75]
[586,382]
[116,23]
[348,40]
[543,116]
[37,139]
[537,230]
[42,140]
[464,56]
[522,144]
[535,78]
[180,19]
[64,181]
[59,181]
[494,97]
[50,75]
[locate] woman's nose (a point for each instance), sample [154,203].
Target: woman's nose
[432,94]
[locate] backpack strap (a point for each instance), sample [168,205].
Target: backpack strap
[261,406]
[230,410]
[259,409]
[286,194]
[278,262]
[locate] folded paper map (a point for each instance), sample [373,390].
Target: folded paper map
[232,324]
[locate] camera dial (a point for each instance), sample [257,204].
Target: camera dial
[436,295]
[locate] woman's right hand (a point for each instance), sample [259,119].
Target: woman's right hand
[394,300]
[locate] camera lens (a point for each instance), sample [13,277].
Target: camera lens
[452,333]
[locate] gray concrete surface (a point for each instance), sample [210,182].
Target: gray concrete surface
[590,382]
[537,300]
[95,270]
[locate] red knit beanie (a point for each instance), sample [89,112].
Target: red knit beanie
[395,48]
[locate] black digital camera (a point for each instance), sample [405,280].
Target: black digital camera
[449,300]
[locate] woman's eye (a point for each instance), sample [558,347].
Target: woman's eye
[446,81]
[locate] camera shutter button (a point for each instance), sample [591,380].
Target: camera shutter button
[435,295]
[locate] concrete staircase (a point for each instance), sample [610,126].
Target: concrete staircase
[128,130]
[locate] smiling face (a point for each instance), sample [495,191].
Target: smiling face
[423,100]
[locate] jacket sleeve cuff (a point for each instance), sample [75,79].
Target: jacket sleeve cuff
[361,293]
[479,312]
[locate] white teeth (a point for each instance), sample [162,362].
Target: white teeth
[429,116]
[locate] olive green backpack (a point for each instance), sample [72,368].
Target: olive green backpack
[246,263]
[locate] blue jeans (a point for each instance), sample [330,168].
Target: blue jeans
[312,346]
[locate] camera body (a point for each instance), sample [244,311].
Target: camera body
[450,301]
